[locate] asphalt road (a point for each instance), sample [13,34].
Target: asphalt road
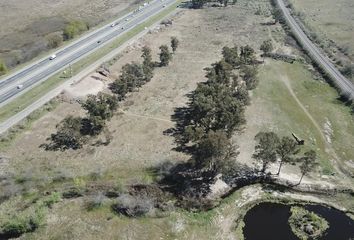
[41,70]
[346,87]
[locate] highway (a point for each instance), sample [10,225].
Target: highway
[23,80]
[346,87]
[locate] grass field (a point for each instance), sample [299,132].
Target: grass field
[309,108]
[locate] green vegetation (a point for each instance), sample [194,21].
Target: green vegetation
[270,147]
[308,163]
[174,44]
[204,129]
[165,56]
[266,149]
[148,64]
[307,225]
[54,40]
[74,28]
[267,47]
[201,3]
[3,68]
[68,135]
[132,77]
[20,224]
[286,90]
[72,131]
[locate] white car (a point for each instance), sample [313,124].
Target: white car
[52,57]
[113,24]
[19,86]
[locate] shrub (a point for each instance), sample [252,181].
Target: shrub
[3,68]
[74,28]
[133,206]
[53,198]
[94,202]
[54,40]
[72,193]
[20,224]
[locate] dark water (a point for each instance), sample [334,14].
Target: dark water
[269,221]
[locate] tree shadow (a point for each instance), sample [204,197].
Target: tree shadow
[181,117]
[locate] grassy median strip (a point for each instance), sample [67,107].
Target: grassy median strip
[37,92]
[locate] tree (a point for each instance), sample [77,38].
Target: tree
[103,105]
[198,3]
[247,55]
[220,72]
[231,56]
[250,76]
[266,47]
[120,88]
[92,125]
[308,163]
[132,76]
[287,149]
[165,55]
[265,150]
[214,151]
[174,44]
[348,71]
[278,15]
[148,65]
[99,108]
[68,135]
[3,68]
[214,107]
[242,95]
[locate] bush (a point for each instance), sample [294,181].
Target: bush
[53,198]
[54,40]
[21,224]
[74,28]
[68,135]
[3,68]
[306,224]
[72,193]
[133,206]
[94,202]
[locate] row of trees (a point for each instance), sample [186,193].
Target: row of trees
[201,3]
[73,132]
[216,108]
[134,75]
[270,148]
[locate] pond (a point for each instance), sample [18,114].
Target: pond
[269,221]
